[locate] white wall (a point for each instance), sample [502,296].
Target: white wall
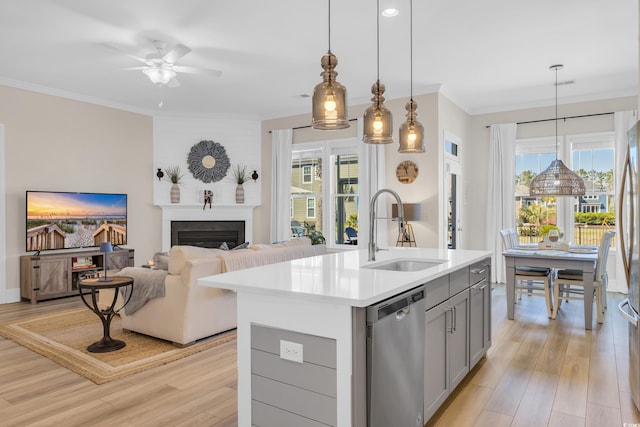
[172,141]
[477,148]
[57,144]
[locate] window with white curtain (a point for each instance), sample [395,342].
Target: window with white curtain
[582,219]
[324,188]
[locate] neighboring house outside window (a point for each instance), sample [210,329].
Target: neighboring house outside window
[311,207]
[583,219]
[324,188]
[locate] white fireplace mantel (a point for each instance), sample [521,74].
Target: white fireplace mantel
[193,212]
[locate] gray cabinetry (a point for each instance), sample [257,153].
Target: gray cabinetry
[48,276]
[457,330]
[446,349]
[479,311]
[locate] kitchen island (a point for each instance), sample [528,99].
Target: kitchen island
[303,323]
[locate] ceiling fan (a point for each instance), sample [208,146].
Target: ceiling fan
[160,66]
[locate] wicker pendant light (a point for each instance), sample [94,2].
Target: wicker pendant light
[378,122]
[557,179]
[329,105]
[411,131]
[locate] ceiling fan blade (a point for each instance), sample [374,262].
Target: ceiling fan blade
[193,70]
[134,68]
[173,83]
[122,51]
[176,53]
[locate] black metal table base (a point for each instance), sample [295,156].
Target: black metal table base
[105,345]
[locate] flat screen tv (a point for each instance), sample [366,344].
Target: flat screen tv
[61,220]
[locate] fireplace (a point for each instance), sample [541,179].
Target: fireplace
[207,234]
[192,213]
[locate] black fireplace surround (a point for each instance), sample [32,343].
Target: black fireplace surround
[207,234]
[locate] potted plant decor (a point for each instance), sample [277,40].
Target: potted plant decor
[240,176]
[173,174]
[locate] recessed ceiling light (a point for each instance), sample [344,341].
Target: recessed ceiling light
[390,12]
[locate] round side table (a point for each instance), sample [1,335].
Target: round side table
[93,286]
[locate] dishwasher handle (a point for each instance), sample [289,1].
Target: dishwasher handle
[631,318]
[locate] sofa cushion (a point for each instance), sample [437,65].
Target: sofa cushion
[179,255]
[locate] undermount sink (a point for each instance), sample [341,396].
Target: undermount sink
[406,264]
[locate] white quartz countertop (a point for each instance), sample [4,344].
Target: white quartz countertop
[340,278]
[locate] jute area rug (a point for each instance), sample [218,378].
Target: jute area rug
[64,336]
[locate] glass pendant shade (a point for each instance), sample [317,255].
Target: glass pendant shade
[378,123]
[411,132]
[329,105]
[557,180]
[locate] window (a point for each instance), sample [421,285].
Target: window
[306,174]
[290,207]
[582,219]
[311,207]
[324,188]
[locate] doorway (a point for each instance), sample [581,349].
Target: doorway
[452,191]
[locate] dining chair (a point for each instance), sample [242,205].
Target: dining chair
[533,281]
[570,286]
[352,235]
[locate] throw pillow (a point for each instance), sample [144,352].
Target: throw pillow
[241,246]
[161,261]
[224,246]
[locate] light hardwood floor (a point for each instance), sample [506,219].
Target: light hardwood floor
[538,372]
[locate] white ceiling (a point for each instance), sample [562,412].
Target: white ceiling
[486,55]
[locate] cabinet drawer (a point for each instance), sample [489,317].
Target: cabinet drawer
[479,271]
[459,281]
[436,291]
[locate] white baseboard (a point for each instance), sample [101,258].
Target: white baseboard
[12,295]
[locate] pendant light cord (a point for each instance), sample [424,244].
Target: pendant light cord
[411,48]
[378,38]
[556,113]
[329,18]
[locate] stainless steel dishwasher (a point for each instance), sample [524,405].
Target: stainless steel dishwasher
[395,360]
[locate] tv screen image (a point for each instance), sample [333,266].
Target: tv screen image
[61,220]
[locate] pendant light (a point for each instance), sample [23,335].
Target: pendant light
[411,131]
[378,123]
[557,179]
[329,106]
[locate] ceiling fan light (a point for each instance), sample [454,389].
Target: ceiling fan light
[159,75]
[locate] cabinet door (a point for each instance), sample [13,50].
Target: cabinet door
[436,364]
[479,321]
[51,277]
[459,339]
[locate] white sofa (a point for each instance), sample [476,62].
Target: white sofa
[189,312]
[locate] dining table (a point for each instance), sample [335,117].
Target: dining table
[577,258]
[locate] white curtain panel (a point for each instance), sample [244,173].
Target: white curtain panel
[623,121]
[501,189]
[281,141]
[371,178]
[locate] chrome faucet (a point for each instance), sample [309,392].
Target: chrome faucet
[373,248]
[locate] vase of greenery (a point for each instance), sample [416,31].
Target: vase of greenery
[174,175]
[240,176]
